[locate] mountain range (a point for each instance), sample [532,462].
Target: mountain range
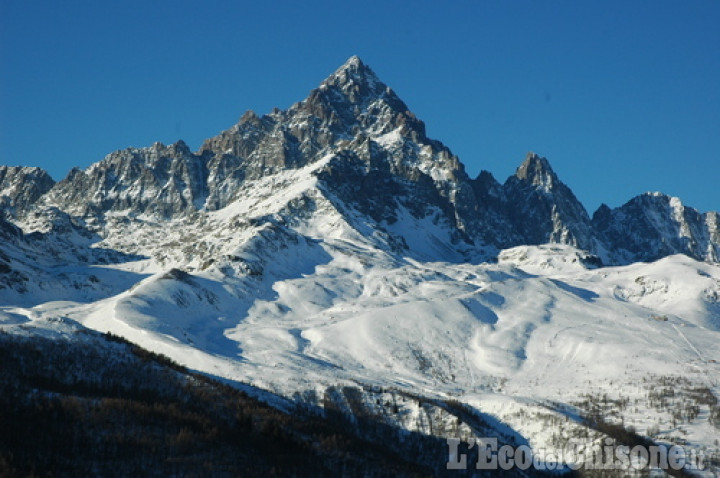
[333,244]
[382,165]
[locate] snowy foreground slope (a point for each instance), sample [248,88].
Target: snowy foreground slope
[526,341]
[333,255]
[529,340]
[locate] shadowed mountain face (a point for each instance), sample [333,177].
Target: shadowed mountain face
[376,160]
[654,225]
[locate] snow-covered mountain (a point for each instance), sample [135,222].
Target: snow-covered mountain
[21,187]
[654,225]
[376,159]
[335,245]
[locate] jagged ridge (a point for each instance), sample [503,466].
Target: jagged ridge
[383,164]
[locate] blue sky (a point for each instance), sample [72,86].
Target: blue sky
[622,97]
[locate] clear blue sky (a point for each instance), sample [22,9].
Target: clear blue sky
[621,96]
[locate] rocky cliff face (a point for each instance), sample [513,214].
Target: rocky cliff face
[373,157]
[382,154]
[161,180]
[654,225]
[21,187]
[543,209]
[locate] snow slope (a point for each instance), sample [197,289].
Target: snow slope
[519,339]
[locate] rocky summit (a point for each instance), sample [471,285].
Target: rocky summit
[332,258]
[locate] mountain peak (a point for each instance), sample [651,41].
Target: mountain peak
[536,169]
[355,66]
[21,186]
[355,75]
[353,62]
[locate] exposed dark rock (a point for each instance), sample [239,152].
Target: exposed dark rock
[654,225]
[21,186]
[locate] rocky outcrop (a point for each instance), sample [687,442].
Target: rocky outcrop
[161,180]
[542,209]
[21,187]
[654,225]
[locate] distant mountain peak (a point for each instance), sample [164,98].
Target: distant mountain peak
[21,186]
[356,79]
[536,170]
[353,69]
[352,63]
